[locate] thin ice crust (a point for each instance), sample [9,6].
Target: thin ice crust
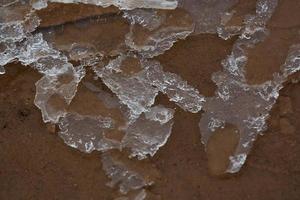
[121,4]
[245,106]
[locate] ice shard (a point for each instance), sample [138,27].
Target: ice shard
[60,78]
[253,32]
[238,103]
[178,90]
[150,19]
[208,15]
[87,133]
[242,106]
[292,63]
[16,22]
[121,4]
[124,174]
[101,93]
[138,91]
[246,106]
[53,95]
[149,132]
[157,31]
[140,195]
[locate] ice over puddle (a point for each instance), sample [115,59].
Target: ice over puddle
[245,106]
[147,127]
[149,132]
[133,91]
[35,52]
[115,110]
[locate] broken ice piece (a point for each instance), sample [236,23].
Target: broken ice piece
[220,147]
[292,63]
[149,132]
[2,70]
[108,100]
[15,24]
[133,91]
[178,90]
[237,103]
[63,87]
[126,4]
[226,31]
[236,162]
[16,21]
[207,15]
[170,26]
[139,195]
[245,106]
[55,92]
[253,32]
[39,4]
[148,18]
[86,133]
[125,174]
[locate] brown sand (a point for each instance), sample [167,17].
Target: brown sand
[36,164]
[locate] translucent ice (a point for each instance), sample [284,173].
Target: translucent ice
[148,18]
[114,108]
[207,14]
[253,33]
[16,22]
[138,91]
[132,90]
[158,31]
[178,90]
[236,102]
[123,174]
[141,195]
[60,78]
[149,132]
[53,94]
[87,133]
[244,107]
[292,63]
[126,4]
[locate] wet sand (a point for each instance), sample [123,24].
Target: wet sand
[36,164]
